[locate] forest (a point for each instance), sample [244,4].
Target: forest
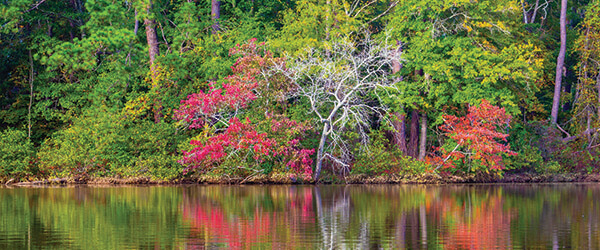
[298,91]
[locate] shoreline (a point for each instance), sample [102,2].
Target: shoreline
[515,178]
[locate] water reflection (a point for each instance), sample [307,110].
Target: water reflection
[244,217]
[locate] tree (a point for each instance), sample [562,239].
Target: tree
[151,39]
[153,53]
[460,52]
[587,98]
[313,23]
[560,62]
[530,11]
[343,85]
[579,149]
[215,15]
[227,141]
[474,139]
[399,117]
[414,136]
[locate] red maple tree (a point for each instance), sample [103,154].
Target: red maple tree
[475,139]
[277,142]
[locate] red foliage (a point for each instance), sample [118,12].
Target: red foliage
[279,143]
[242,137]
[486,226]
[238,136]
[296,158]
[200,106]
[237,92]
[476,134]
[213,222]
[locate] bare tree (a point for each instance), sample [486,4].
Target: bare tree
[343,86]
[529,14]
[560,61]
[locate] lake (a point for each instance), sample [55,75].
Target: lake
[306,217]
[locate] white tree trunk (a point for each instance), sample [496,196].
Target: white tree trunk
[320,150]
[423,138]
[560,62]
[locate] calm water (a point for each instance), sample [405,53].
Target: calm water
[259,217]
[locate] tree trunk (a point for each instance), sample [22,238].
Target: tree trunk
[71,35]
[588,133]
[136,24]
[215,14]
[320,150]
[30,96]
[399,118]
[598,88]
[535,10]
[49,28]
[327,24]
[152,40]
[423,138]
[560,62]
[414,134]
[153,52]
[524,11]
[399,133]
[75,23]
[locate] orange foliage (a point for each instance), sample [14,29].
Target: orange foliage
[476,136]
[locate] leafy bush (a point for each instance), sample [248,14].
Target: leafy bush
[91,145]
[152,150]
[242,150]
[473,145]
[101,144]
[524,140]
[546,151]
[16,155]
[527,158]
[379,158]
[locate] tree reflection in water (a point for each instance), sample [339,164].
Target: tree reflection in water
[315,217]
[340,217]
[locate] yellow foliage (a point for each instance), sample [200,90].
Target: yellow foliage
[136,108]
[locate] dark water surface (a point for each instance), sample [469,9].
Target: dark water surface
[309,217]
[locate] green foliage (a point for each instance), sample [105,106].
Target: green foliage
[17,156]
[11,14]
[101,144]
[153,151]
[459,52]
[550,167]
[95,106]
[528,157]
[317,23]
[522,140]
[88,146]
[379,158]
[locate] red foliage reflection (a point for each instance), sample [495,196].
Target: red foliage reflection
[238,225]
